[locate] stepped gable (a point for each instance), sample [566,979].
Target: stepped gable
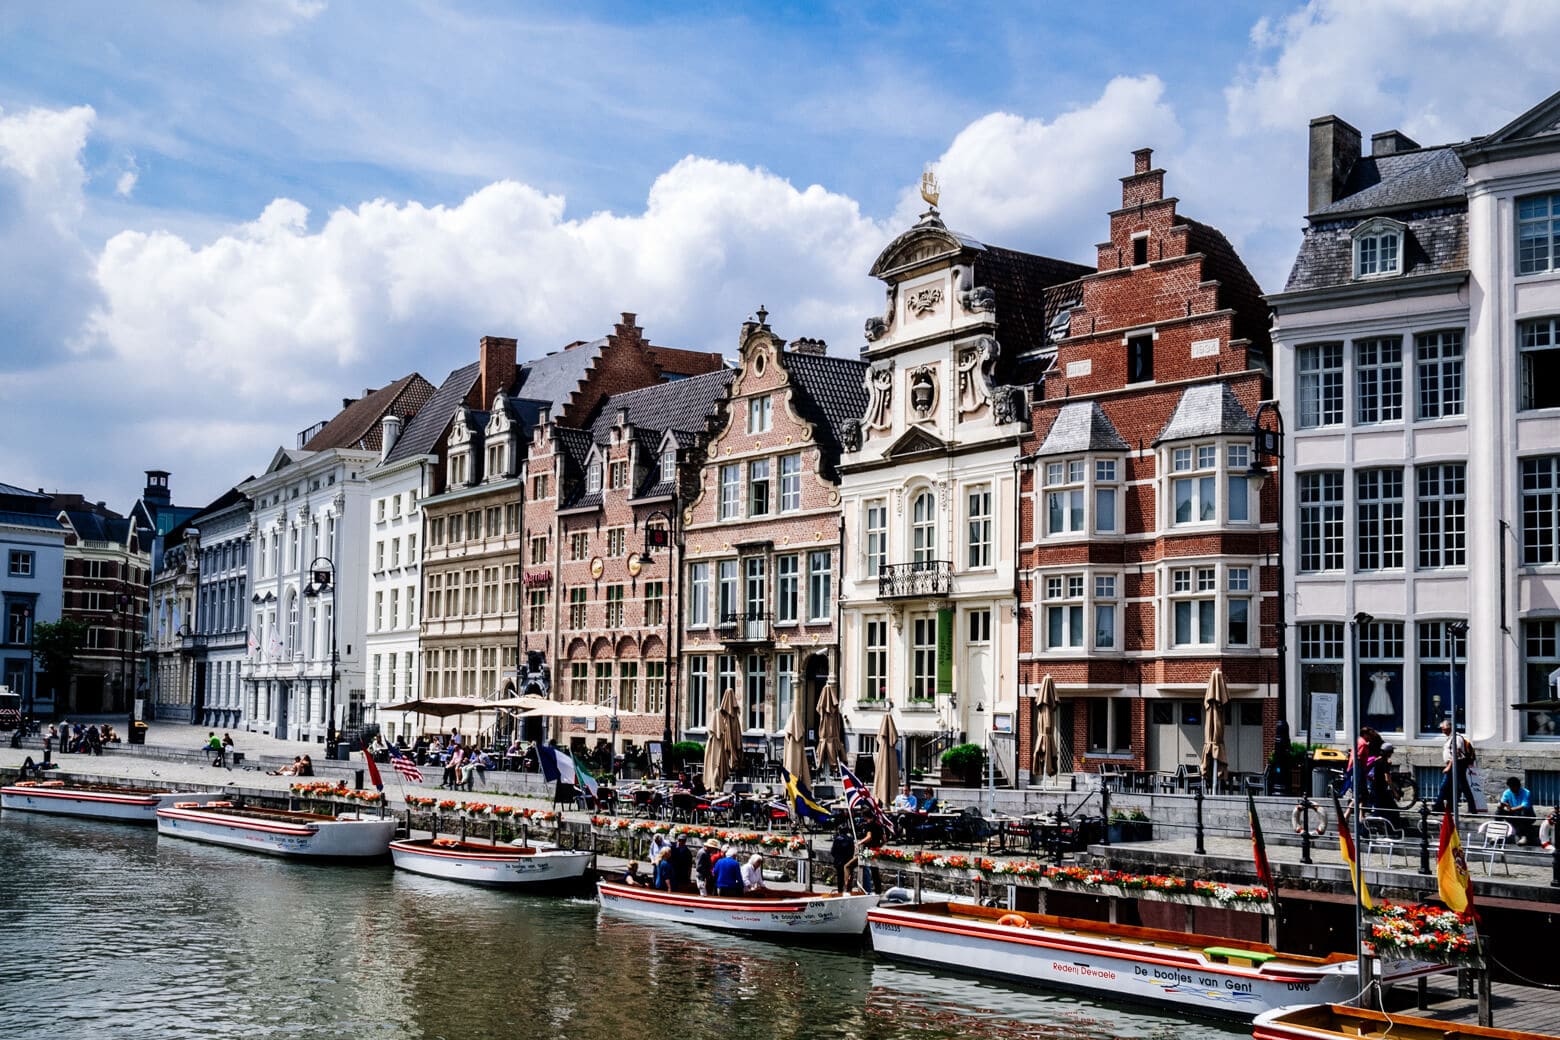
[556,377]
[357,425]
[1238,288]
[432,421]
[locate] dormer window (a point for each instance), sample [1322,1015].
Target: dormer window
[1378,249]
[669,465]
[759,411]
[593,478]
[495,461]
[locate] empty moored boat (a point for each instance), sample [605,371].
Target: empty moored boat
[517,864]
[1343,1022]
[99,801]
[770,912]
[278,832]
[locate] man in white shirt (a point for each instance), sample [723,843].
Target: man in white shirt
[1456,754]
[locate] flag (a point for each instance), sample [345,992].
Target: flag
[1451,868]
[373,771]
[583,778]
[799,800]
[1351,857]
[858,795]
[405,766]
[1259,848]
[557,765]
[254,644]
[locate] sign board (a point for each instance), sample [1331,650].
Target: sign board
[654,754]
[140,709]
[1324,717]
[944,650]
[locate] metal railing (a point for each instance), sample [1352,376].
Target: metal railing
[924,580]
[750,626]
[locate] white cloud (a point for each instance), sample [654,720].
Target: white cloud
[124,186]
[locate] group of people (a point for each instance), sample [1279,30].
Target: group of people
[219,748]
[303,765]
[79,739]
[716,871]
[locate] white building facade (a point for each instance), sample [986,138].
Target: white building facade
[393,532]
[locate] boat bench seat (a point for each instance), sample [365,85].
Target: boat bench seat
[1225,953]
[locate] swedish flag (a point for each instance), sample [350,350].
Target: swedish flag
[799,800]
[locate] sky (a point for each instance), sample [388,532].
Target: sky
[217,220]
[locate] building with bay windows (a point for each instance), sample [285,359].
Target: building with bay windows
[763,537]
[1418,364]
[1147,553]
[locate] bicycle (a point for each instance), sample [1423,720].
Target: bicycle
[1401,790]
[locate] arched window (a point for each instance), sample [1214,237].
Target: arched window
[923,528]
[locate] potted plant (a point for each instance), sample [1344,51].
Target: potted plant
[964,764]
[1130,825]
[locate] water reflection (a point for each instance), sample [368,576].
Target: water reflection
[111,931]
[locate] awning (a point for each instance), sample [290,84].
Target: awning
[540,707]
[444,707]
[1553,704]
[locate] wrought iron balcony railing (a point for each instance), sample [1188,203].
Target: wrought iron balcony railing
[745,626]
[925,580]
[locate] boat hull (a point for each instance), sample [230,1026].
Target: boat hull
[490,865]
[803,917]
[281,834]
[127,806]
[1341,1022]
[1185,979]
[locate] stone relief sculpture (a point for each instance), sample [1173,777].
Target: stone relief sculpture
[877,327]
[924,301]
[923,391]
[1007,404]
[880,403]
[852,435]
[974,370]
[980,298]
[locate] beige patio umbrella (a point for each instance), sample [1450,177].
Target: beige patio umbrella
[717,759]
[831,728]
[1214,754]
[885,764]
[1047,757]
[794,757]
[732,726]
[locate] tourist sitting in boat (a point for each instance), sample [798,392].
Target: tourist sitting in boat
[682,865]
[753,874]
[631,876]
[704,867]
[727,874]
[663,871]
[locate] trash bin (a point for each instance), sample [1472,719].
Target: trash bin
[137,733]
[1325,761]
[1321,776]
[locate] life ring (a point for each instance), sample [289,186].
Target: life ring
[1014,920]
[1546,832]
[1315,811]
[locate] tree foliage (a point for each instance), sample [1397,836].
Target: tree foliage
[55,645]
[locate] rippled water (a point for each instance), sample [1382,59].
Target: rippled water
[110,932]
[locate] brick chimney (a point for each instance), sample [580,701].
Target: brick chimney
[1146,183]
[808,346]
[497,355]
[1335,148]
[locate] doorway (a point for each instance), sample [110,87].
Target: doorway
[283,695]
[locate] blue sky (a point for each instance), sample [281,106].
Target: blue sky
[216,220]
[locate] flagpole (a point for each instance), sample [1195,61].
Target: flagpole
[1361,618]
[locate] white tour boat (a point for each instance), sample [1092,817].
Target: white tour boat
[100,801]
[770,912]
[278,832]
[1190,972]
[515,864]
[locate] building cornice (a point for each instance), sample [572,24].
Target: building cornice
[1368,292]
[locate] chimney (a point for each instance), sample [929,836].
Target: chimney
[1142,160]
[1335,148]
[816,347]
[389,433]
[498,368]
[1390,142]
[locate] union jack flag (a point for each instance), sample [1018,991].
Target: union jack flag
[405,766]
[859,795]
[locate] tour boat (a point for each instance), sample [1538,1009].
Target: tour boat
[770,912]
[278,832]
[1337,1022]
[1191,972]
[515,864]
[101,801]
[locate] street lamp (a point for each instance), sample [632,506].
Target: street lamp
[1269,444]
[322,578]
[1459,634]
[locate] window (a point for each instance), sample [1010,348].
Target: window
[537,601]
[1139,250]
[923,658]
[1194,592]
[876,536]
[457,527]
[698,691]
[603,675]
[616,539]
[1377,252]
[1110,725]
[1538,234]
[730,491]
[473,592]
[785,688]
[1443,661]
[1540,658]
[1064,496]
[655,687]
[457,469]
[379,509]
[512,518]
[1540,358]
[820,601]
[539,550]
[1195,495]
[726,592]
[395,608]
[21,564]
[435,595]
[379,555]
[628,683]
[379,611]
[395,552]
[579,545]
[1319,384]
[923,528]
[725,677]
[979,626]
[1541,510]
[1105,496]
[18,623]
[1321,521]
[787,580]
[758,487]
[1381,675]
[757,678]
[617,474]
[1439,360]
[1442,512]
[579,678]
[1379,518]
[669,465]
[436,531]
[577,608]
[790,483]
[1237,610]
[698,595]
[539,487]
[1378,380]
[655,603]
[494,517]
[495,461]
[1105,612]
[1140,359]
[978,521]
[875,667]
[755,579]
[1238,458]
[593,477]
[614,606]
[758,414]
[1063,611]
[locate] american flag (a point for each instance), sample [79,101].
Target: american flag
[858,794]
[405,766]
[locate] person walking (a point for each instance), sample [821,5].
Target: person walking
[1456,757]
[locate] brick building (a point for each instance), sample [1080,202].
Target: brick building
[1147,555]
[106,587]
[763,539]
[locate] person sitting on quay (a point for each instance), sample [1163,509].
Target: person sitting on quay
[306,767]
[451,777]
[632,876]
[289,770]
[753,874]
[1516,806]
[727,874]
[663,871]
[215,749]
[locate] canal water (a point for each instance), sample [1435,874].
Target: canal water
[108,931]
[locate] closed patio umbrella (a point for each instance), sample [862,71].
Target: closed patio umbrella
[794,757]
[1047,757]
[732,725]
[831,728]
[885,766]
[1213,754]
[717,760]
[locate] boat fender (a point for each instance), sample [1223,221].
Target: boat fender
[1546,832]
[187,805]
[1317,815]
[218,805]
[25,783]
[52,783]
[898,895]
[1014,920]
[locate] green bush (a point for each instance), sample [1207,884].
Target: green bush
[684,752]
[964,758]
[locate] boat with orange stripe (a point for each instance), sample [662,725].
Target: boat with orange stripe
[1338,1021]
[520,864]
[98,801]
[772,912]
[278,832]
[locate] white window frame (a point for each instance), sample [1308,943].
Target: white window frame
[1378,380]
[1065,612]
[1378,519]
[1065,497]
[1194,593]
[820,586]
[787,589]
[1319,385]
[875,535]
[1378,249]
[760,413]
[1440,391]
[1538,213]
[790,482]
[978,523]
[730,491]
[1441,515]
[699,595]
[760,491]
[1534,337]
[874,669]
[923,526]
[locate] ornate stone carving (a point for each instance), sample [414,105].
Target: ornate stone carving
[974,369]
[880,385]
[980,298]
[924,301]
[923,391]
[877,327]
[853,435]
[1007,404]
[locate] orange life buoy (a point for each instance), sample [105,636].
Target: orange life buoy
[1014,920]
[1317,813]
[1546,832]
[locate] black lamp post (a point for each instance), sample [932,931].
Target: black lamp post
[1459,633]
[1269,444]
[322,578]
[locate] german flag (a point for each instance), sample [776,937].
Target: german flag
[1351,857]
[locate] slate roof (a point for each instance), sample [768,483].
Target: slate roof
[555,377]
[40,520]
[1400,180]
[1081,426]
[1206,410]
[357,424]
[1436,241]
[422,435]
[228,498]
[1019,281]
[11,490]
[830,392]
[94,528]
[1238,289]
[684,404]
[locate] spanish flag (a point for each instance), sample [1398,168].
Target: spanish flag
[1451,868]
[1351,857]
